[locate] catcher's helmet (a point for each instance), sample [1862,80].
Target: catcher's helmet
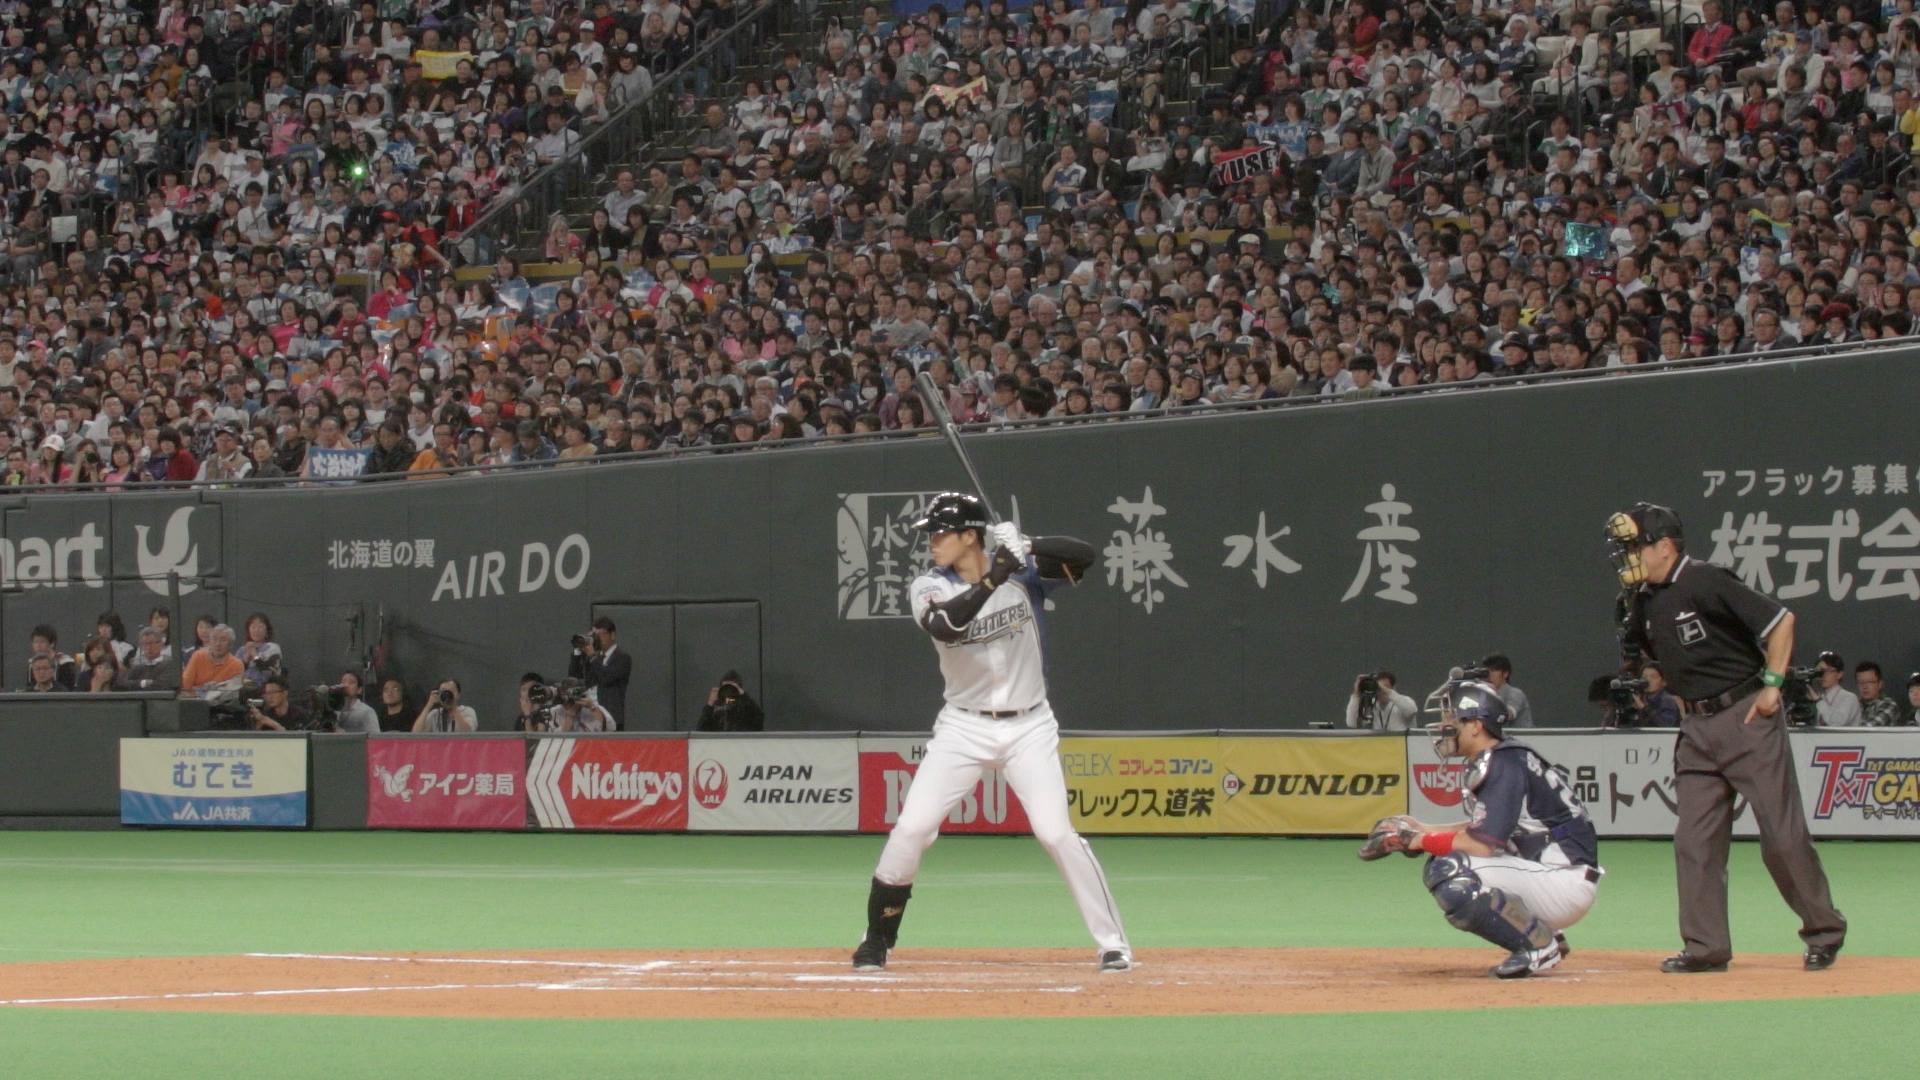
[1459,700]
[952,511]
[1634,528]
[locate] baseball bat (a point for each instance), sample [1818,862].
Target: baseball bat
[936,402]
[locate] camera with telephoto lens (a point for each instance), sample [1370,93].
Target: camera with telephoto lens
[1624,695]
[1366,683]
[330,699]
[1799,695]
[582,641]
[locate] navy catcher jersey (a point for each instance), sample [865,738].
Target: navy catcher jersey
[1521,805]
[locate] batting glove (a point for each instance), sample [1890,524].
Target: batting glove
[1007,535]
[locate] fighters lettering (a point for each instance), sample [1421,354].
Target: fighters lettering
[1359,785]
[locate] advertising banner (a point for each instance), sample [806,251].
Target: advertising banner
[1854,782]
[887,766]
[1254,785]
[258,783]
[415,783]
[773,785]
[620,784]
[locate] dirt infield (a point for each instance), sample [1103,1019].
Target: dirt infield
[819,983]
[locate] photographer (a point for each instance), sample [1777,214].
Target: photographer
[1658,706]
[1834,704]
[1725,649]
[598,662]
[276,710]
[575,710]
[730,708]
[532,717]
[444,713]
[1376,705]
[1500,677]
[350,713]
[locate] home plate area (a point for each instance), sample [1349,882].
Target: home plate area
[918,983]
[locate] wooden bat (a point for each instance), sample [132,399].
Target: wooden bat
[936,403]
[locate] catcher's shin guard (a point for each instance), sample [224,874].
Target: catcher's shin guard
[886,906]
[1472,905]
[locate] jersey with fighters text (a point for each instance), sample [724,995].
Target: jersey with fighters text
[1521,805]
[1000,666]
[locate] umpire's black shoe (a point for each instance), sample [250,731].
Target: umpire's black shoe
[1821,957]
[870,956]
[1688,964]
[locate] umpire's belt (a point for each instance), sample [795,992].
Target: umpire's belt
[997,714]
[1709,706]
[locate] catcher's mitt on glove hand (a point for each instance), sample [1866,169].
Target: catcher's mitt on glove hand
[1391,834]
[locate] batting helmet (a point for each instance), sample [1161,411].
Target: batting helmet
[952,511]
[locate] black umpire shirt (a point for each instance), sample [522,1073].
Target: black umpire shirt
[1706,628]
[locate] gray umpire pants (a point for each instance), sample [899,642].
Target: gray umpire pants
[1716,757]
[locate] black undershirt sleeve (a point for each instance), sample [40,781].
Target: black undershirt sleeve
[1062,557]
[947,621]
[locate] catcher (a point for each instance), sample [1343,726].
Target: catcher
[1525,864]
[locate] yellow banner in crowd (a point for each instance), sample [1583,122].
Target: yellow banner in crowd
[439,65]
[1314,785]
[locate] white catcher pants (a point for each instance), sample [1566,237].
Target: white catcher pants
[1026,750]
[1558,896]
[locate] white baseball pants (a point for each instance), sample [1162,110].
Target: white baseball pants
[1026,750]
[1558,896]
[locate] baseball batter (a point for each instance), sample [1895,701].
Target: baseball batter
[983,612]
[1525,864]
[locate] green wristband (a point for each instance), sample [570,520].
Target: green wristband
[1772,678]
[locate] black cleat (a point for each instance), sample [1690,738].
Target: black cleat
[1821,957]
[1688,964]
[1114,960]
[1566,950]
[870,956]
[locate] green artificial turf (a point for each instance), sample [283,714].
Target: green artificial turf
[76,895]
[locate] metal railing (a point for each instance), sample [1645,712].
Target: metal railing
[1185,412]
[622,138]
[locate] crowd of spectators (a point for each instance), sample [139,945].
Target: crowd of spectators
[1012,201]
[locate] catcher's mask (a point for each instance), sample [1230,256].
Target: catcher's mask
[1631,531]
[1458,701]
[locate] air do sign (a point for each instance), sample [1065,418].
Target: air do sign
[564,565]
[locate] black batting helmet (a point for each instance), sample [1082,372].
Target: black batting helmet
[952,511]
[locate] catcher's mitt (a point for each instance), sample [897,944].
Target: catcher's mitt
[1390,834]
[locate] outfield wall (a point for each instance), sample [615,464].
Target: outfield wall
[1250,563]
[1855,782]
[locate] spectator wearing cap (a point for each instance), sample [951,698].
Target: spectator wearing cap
[229,460]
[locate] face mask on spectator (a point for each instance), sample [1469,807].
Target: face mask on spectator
[868,393]
[418,396]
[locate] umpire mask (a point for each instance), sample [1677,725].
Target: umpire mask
[1630,531]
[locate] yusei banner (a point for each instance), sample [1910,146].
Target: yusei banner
[773,785]
[423,783]
[623,784]
[248,783]
[1854,782]
[1253,785]
[887,766]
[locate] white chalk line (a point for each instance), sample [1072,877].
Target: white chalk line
[228,995]
[646,965]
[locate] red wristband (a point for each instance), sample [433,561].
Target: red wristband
[1437,843]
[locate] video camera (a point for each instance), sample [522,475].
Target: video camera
[1624,695]
[1799,695]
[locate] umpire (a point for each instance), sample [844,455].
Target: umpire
[1725,650]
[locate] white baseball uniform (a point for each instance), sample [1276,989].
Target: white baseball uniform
[997,716]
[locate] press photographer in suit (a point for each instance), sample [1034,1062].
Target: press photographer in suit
[599,662]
